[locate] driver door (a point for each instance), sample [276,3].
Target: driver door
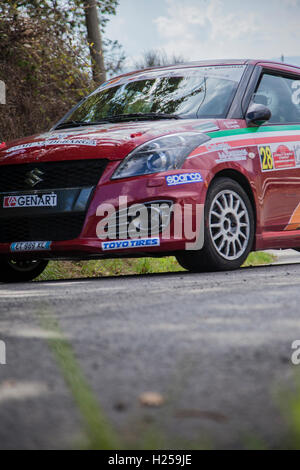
[278,144]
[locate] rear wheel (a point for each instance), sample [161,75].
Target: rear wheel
[21,270]
[229,230]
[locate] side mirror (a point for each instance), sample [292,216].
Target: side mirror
[257,114]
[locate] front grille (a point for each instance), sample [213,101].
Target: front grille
[48,228]
[55,175]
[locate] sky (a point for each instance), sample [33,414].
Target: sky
[208,29]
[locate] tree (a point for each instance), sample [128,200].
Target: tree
[157,58]
[45,61]
[78,22]
[94,40]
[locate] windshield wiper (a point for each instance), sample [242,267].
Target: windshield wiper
[118,118]
[140,116]
[66,124]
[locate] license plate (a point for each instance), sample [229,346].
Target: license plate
[30,246]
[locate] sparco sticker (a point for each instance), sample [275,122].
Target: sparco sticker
[31,200]
[184,178]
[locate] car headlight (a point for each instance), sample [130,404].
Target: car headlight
[162,154]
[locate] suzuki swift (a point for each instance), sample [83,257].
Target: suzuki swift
[200,161]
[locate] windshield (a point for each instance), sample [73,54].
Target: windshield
[198,92]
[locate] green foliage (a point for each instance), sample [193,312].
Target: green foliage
[121,267]
[44,61]
[67,19]
[63,13]
[45,75]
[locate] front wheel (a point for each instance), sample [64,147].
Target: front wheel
[21,270]
[229,230]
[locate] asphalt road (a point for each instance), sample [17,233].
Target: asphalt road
[216,347]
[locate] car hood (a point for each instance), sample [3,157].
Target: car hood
[112,141]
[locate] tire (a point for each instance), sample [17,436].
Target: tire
[21,270]
[228,233]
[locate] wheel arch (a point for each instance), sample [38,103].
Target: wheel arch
[242,181]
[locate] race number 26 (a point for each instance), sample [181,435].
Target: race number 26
[266,158]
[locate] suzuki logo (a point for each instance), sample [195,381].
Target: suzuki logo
[34,177]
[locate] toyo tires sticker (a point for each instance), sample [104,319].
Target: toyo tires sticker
[128,244]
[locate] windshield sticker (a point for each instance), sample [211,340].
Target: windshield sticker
[47,143]
[226,72]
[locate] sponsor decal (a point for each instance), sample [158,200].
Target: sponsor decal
[266,158]
[211,147]
[232,155]
[231,124]
[267,136]
[184,178]
[30,246]
[31,200]
[47,143]
[284,158]
[279,157]
[294,222]
[126,244]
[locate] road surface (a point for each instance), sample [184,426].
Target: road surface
[214,348]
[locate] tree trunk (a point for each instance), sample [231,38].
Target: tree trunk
[94,40]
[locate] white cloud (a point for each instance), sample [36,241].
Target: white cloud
[206,29]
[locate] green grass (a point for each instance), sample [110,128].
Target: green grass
[98,431]
[103,268]
[118,267]
[258,258]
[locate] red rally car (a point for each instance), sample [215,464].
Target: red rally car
[218,137]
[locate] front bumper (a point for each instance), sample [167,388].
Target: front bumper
[85,202]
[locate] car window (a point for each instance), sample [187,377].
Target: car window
[192,92]
[281,95]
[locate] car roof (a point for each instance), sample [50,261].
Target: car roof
[278,65]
